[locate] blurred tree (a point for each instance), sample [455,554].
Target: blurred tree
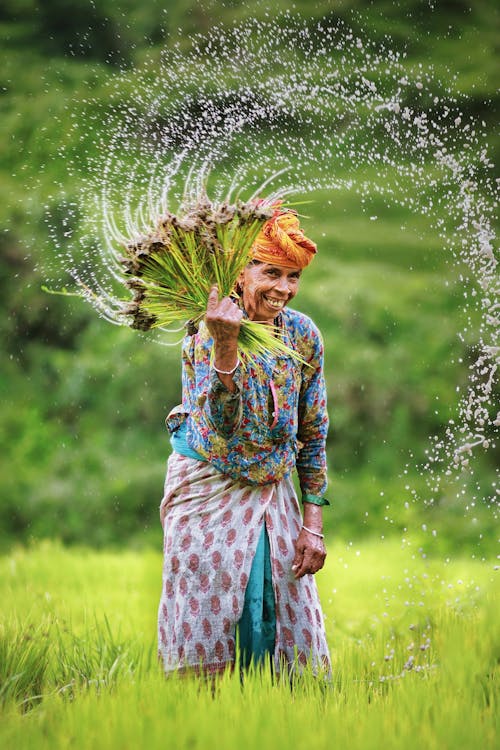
[106,31]
[83,444]
[85,31]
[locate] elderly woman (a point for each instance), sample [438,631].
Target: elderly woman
[239,555]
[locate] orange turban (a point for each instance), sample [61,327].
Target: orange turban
[282,242]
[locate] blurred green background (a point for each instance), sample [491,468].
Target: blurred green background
[83,446]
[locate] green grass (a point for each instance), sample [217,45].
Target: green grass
[414,646]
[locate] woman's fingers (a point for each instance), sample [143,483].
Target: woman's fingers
[309,556]
[298,558]
[213,298]
[223,317]
[305,566]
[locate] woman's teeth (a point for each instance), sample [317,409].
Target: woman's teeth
[277,303]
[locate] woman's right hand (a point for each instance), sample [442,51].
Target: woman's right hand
[223,320]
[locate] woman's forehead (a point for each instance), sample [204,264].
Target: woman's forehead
[275,267]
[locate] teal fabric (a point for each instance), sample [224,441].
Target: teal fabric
[314,499]
[257,626]
[179,443]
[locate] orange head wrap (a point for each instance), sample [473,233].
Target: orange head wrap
[282,242]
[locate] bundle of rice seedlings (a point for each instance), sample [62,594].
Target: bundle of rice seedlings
[171,269]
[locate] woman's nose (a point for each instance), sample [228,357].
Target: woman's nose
[282,284]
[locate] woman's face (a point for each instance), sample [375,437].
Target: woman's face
[266,289]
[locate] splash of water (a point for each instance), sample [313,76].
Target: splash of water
[291,107]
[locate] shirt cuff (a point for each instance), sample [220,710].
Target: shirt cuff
[314,499]
[217,386]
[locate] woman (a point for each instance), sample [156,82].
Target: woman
[239,558]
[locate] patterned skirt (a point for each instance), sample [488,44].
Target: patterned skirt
[212,525]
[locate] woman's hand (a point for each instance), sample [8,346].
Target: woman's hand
[310,550]
[223,320]
[310,554]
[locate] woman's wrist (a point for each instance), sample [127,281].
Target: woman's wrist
[225,362]
[313,518]
[225,353]
[314,533]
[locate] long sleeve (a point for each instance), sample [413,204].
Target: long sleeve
[224,409]
[313,423]
[201,387]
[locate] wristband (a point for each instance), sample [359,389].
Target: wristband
[227,372]
[316,533]
[314,499]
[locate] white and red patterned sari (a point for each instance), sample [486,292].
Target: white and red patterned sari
[212,525]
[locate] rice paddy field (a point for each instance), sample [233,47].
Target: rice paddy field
[415,646]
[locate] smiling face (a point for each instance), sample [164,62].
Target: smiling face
[267,289]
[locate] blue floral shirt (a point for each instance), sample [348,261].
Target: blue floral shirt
[276,419]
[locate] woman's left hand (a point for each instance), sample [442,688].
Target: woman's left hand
[310,554]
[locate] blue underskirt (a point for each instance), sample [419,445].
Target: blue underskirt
[179,443]
[257,626]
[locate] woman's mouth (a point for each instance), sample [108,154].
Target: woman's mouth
[277,304]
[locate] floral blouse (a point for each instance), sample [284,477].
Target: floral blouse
[276,419]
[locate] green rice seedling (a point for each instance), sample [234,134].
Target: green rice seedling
[97,659]
[24,659]
[99,611]
[172,268]
[443,708]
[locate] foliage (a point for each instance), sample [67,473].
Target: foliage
[83,444]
